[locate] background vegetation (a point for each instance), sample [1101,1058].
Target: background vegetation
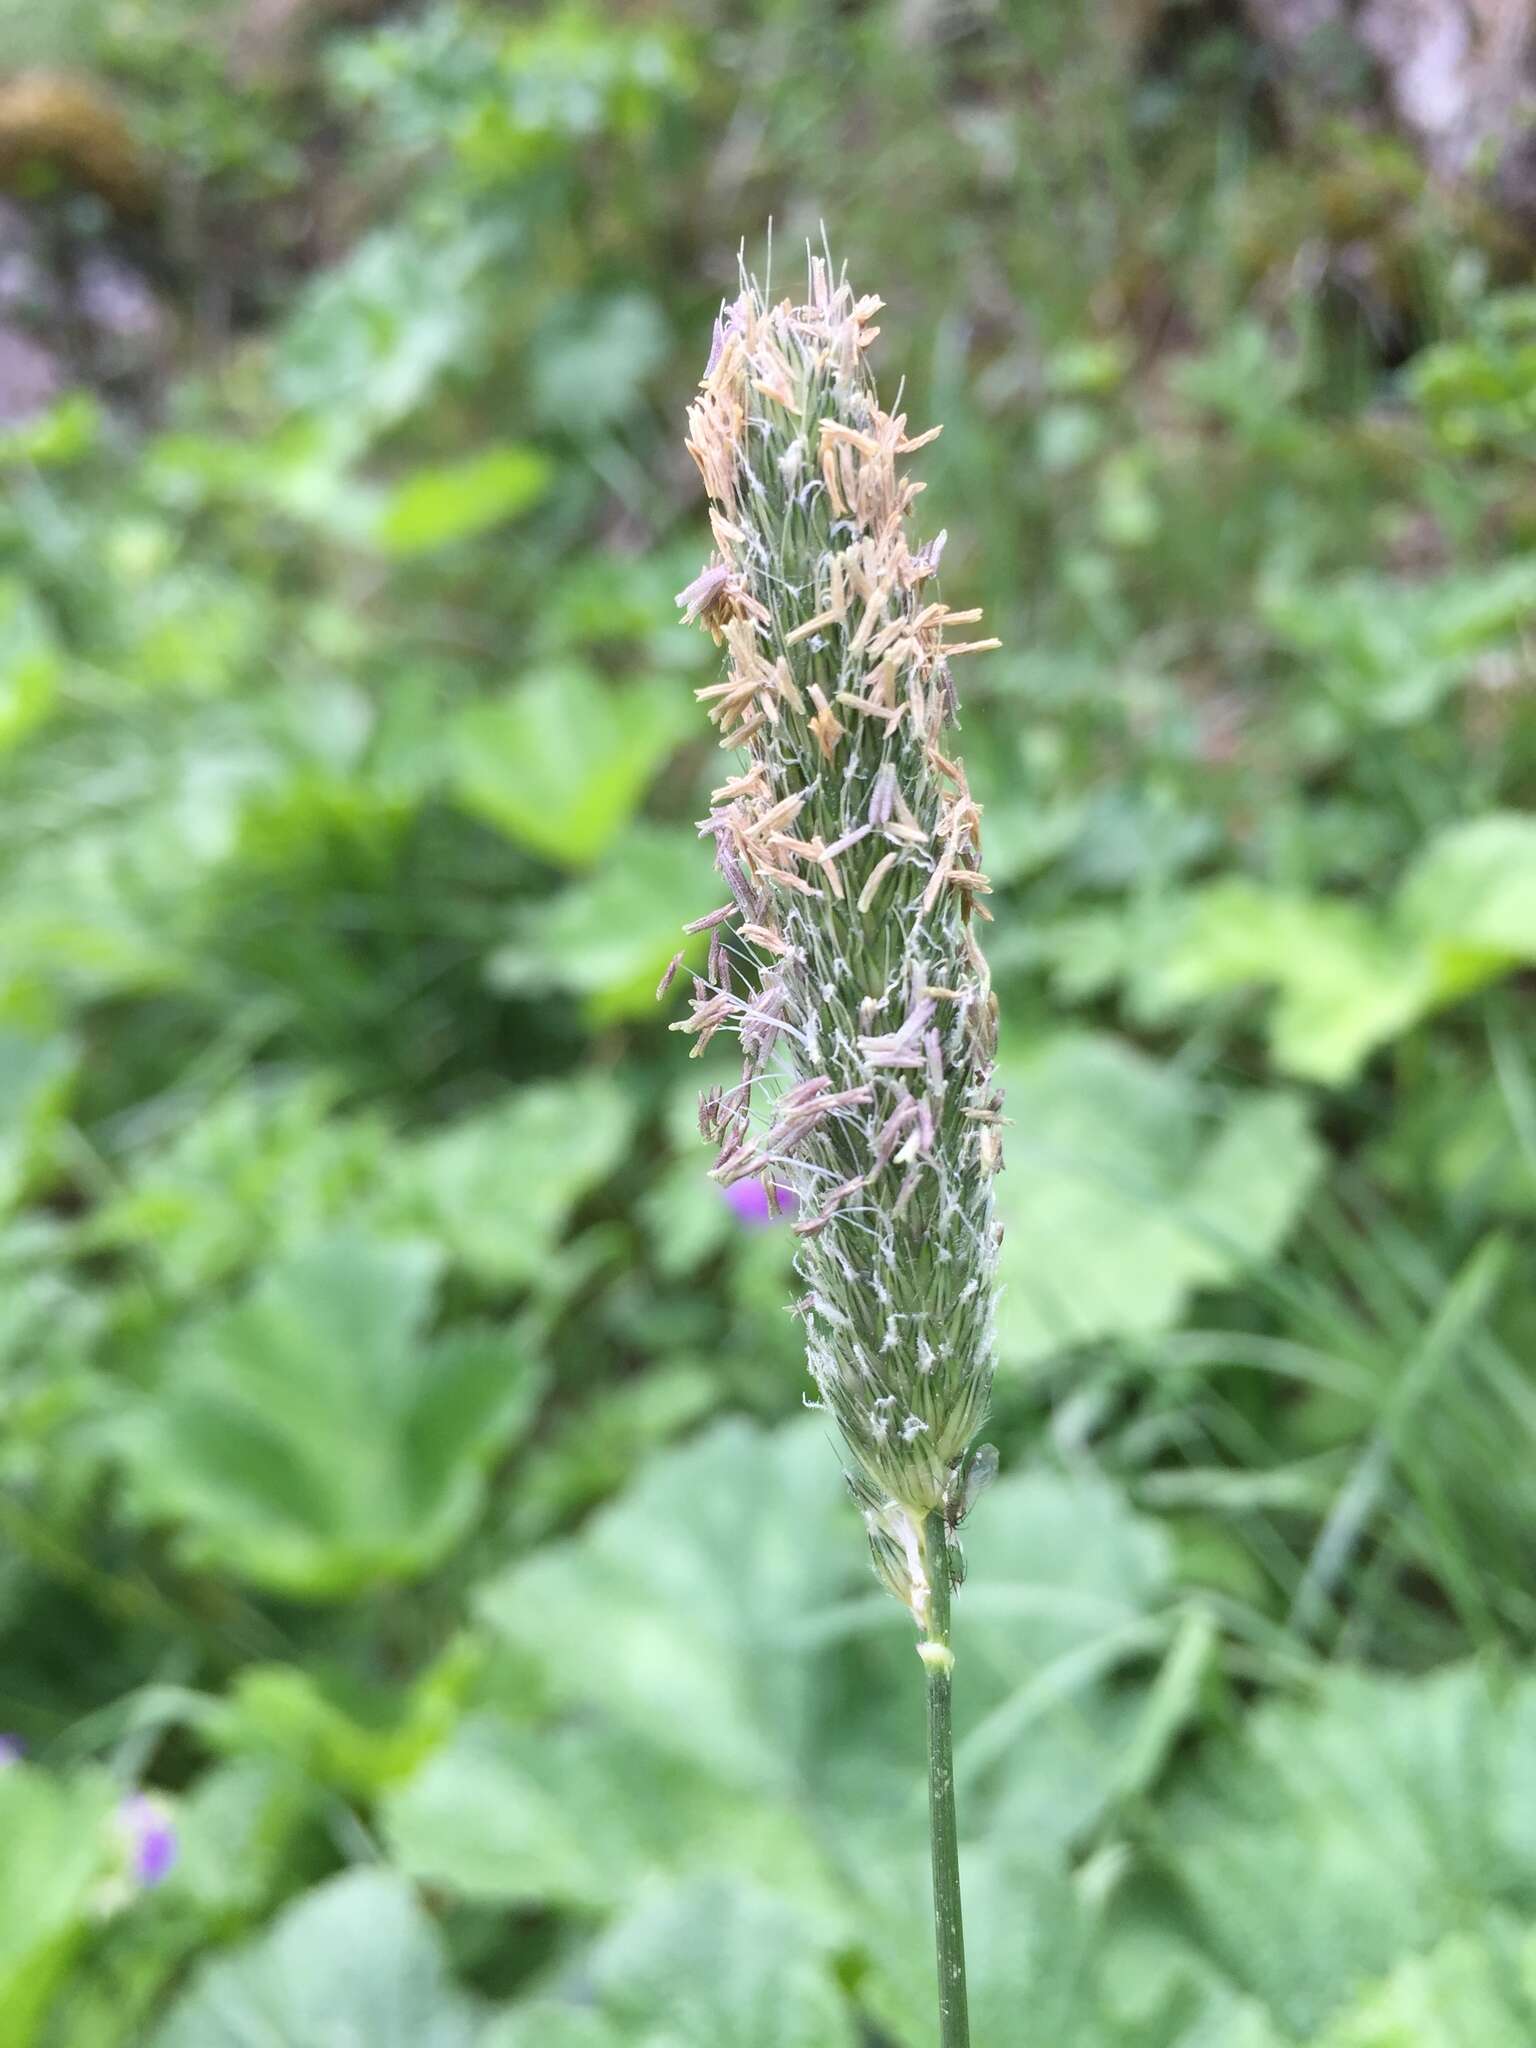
[399,1472]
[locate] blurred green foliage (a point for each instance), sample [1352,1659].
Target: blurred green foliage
[394,1464]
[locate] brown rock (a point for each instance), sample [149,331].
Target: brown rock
[71,125]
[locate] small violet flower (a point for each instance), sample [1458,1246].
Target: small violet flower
[12,1750]
[749,1200]
[149,1839]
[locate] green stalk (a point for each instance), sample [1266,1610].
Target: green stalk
[939,1664]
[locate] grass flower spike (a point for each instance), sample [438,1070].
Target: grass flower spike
[846,957]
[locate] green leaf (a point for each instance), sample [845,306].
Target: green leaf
[1346,979]
[55,1848]
[1473,891]
[590,365]
[728,1669]
[35,1075]
[372,336]
[1471,1991]
[355,1960]
[1037,1946]
[1332,1840]
[264,1167]
[312,1440]
[681,1606]
[498,1188]
[561,763]
[1345,982]
[238,1831]
[608,938]
[563,1817]
[545,2025]
[1249,1183]
[1117,1203]
[719,1967]
[31,664]
[454,502]
[1063,1599]
[340,1731]
[1386,650]
[67,430]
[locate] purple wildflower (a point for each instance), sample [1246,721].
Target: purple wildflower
[150,1837]
[12,1750]
[749,1200]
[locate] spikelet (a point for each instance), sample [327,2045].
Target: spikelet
[846,958]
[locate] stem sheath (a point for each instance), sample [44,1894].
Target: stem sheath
[938,1663]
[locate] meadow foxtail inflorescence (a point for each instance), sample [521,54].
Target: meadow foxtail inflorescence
[845,957]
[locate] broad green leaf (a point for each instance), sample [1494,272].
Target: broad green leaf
[298,471]
[313,1439]
[591,364]
[67,430]
[546,2025]
[1347,978]
[687,1215]
[1249,1183]
[1028,1952]
[719,1967]
[372,335]
[587,1454]
[1038,1948]
[498,1188]
[683,1609]
[1118,1200]
[356,1961]
[1330,1840]
[266,1166]
[35,1075]
[1388,650]
[1477,390]
[1344,982]
[564,1817]
[1063,1606]
[239,1830]
[55,1848]
[434,507]
[560,764]
[1470,1991]
[607,938]
[1473,892]
[338,1730]
[194,632]
[31,664]
[737,1685]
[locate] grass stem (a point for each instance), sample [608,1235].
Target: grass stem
[948,1924]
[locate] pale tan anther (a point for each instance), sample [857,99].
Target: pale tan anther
[825,726]
[877,875]
[797,849]
[753,782]
[838,430]
[784,812]
[819,624]
[872,611]
[739,735]
[830,479]
[828,865]
[892,714]
[790,881]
